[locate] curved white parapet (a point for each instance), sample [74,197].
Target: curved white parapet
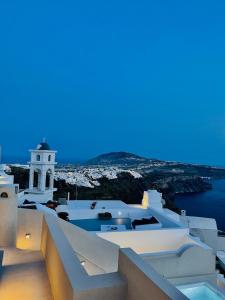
[143,282]
[188,260]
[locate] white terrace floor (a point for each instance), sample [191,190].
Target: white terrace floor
[24,276]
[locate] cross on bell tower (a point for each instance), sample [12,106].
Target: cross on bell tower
[42,168]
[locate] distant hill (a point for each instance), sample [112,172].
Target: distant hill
[125,176]
[145,166]
[120,158]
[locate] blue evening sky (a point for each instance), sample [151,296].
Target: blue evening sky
[96,76]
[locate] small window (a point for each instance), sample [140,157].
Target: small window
[16,189]
[38,157]
[49,158]
[4,195]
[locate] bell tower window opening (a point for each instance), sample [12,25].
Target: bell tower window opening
[4,195]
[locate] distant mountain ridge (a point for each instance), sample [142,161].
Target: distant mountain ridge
[124,175]
[120,158]
[145,166]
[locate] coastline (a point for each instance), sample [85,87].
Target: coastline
[210,204]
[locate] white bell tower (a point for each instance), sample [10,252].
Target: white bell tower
[41,178]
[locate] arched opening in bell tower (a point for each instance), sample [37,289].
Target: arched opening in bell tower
[49,179]
[37,179]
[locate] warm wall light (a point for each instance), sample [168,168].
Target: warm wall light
[145,200]
[27,236]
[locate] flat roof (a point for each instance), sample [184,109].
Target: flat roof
[107,204]
[202,223]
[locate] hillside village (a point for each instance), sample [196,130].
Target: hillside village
[98,249]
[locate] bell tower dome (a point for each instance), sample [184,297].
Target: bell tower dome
[41,177]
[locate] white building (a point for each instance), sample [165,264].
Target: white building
[41,177]
[8,207]
[180,248]
[141,252]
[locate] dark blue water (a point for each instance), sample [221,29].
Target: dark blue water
[210,204]
[95,224]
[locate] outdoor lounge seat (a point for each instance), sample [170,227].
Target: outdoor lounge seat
[145,221]
[105,216]
[28,206]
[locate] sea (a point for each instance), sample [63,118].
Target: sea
[209,204]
